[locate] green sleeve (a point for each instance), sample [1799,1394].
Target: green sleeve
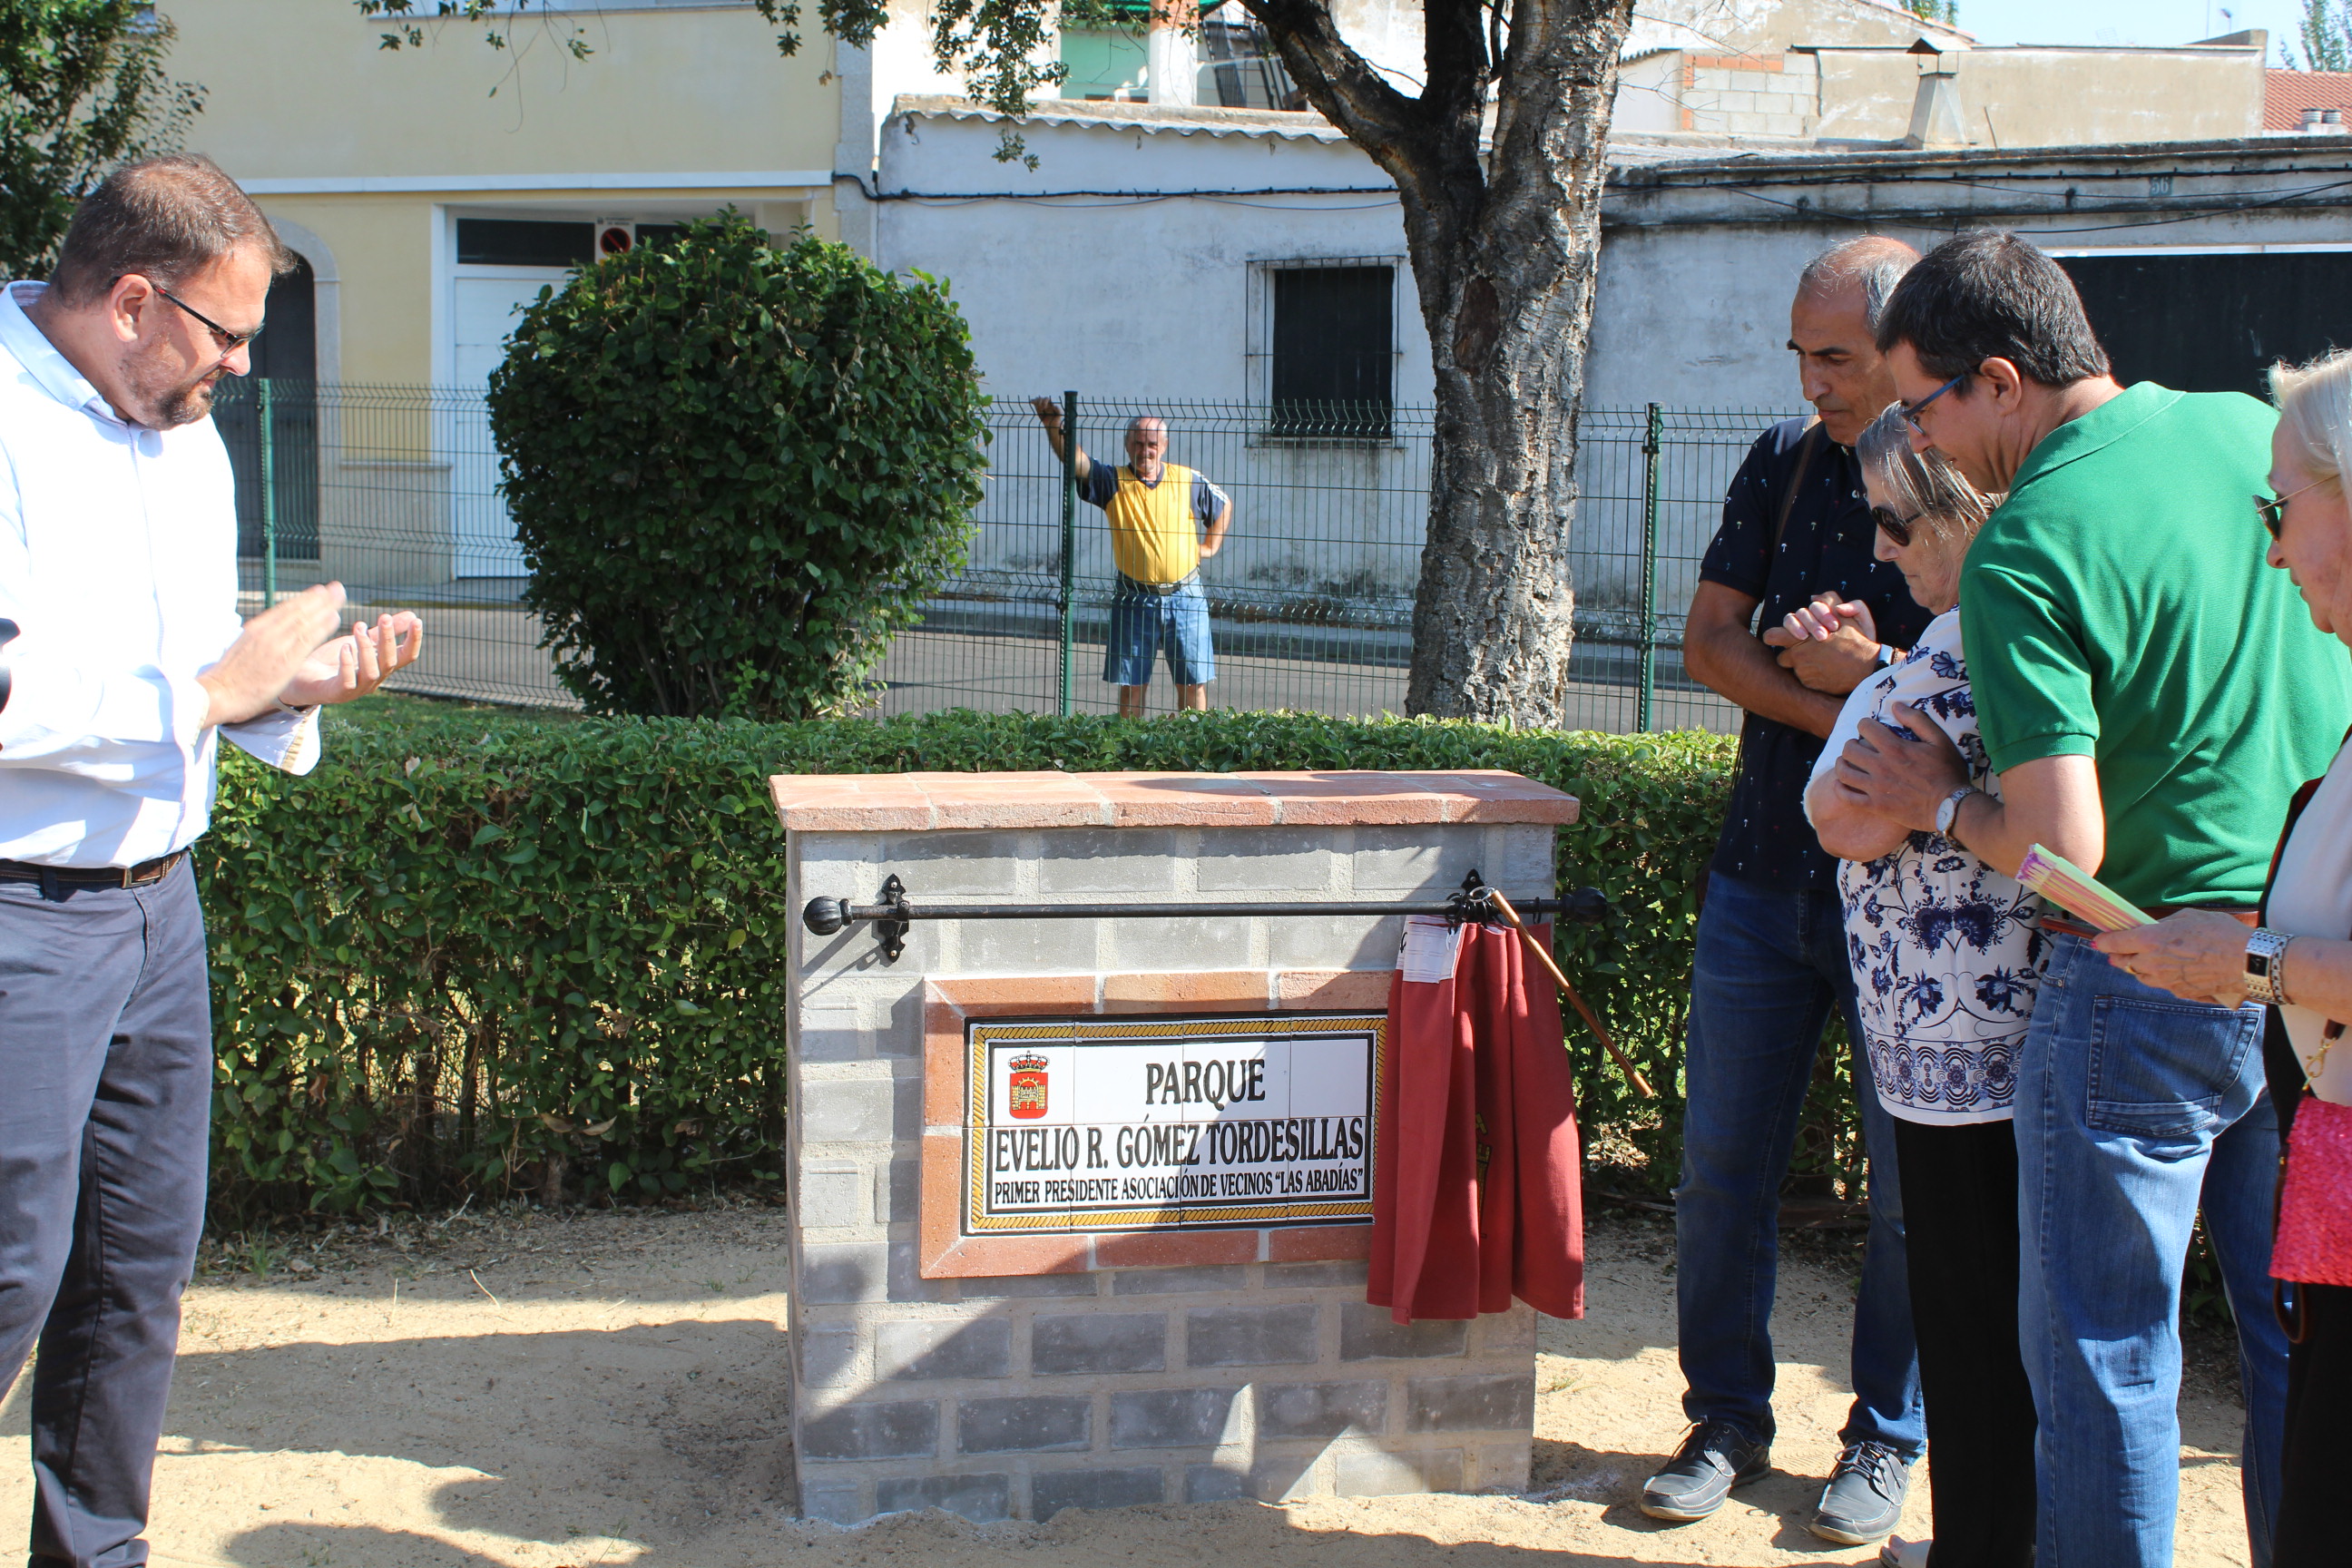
[2029,669]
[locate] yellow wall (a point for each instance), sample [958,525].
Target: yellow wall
[299,93]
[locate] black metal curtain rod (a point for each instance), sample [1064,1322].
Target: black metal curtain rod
[891,917]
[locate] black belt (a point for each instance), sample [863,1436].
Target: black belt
[138,875]
[1158,590]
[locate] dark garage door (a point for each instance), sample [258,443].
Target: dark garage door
[2215,323]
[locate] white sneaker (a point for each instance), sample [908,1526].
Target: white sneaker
[1898,1554]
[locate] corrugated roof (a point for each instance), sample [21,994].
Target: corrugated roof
[2286,94]
[1148,116]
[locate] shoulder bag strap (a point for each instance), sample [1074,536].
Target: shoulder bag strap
[1807,445]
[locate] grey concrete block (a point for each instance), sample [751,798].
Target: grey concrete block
[1279,1276]
[1249,1336]
[833,1110]
[1368,1334]
[930,1350]
[1507,1333]
[835,1503]
[907,1281]
[1171,1417]
[983,1500]
[1106,860]
[899,1196]
[935,865]
[903,1038]
[830,1036]
[1023,1424]
[1026,947]
[1385,1475]
[904,1429]
[1173,1281]
[907,1108]
[1355,942]
[1414,859]
[1272,1479]
[1158,945]
[828,1357]
[1051,1491]
[1268,860]
[1505,1466]
[834,1197]
[1471,1404]
[1520,857]
[835,1275]
[1015,1287]
[1099,1341]
[1321,1409]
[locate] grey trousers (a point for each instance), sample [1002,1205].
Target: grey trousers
[105,1102]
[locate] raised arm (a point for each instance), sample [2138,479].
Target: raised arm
[1049,415]
[1729,660]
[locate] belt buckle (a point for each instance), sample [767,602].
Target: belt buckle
[128,875]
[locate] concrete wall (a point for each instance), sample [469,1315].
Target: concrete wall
[2052,96]
[1012,1397]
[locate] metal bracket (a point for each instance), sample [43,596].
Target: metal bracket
[891,932]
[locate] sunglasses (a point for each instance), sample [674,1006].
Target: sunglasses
[1898,529]
[2272,509]
[1911,411]
[229,342]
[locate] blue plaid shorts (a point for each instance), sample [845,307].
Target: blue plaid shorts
[1142,623]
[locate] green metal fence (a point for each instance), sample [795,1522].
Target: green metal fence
[392,490]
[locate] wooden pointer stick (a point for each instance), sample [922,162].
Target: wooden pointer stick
[1511,918]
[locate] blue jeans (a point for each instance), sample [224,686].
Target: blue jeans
[1142,623]
[2134,1107]
[1771,965]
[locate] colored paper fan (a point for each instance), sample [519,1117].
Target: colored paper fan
[2077,892]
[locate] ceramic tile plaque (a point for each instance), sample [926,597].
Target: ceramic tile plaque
[1093,1124]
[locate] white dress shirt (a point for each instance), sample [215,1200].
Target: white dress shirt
[118,563]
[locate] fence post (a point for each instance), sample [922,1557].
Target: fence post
[1650,448]
[268,498]
[1069,537]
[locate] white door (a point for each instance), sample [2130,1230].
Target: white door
[486,303]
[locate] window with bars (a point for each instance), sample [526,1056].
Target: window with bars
[1331,350]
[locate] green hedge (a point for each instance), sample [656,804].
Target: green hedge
[478,954]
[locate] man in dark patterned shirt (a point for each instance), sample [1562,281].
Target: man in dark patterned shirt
[1772,959]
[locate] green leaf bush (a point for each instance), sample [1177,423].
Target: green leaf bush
[475,953]
[736,470]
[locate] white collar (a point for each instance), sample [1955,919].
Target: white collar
[49,370]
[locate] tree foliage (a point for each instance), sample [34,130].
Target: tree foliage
[85,89]
[2327,34]
[735,470]
[1945,11]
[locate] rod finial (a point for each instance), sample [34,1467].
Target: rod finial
[825,916]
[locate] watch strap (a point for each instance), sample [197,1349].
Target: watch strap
[2265,949]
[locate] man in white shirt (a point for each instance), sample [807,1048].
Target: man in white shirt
[122,661]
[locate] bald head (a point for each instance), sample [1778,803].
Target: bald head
[1833,331]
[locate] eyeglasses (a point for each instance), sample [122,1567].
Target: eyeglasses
[1911,411]
[229,342]
[2273,510]
[1898,529]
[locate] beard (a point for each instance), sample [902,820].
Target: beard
[166,398]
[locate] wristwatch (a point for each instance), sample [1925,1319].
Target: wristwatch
[1889,656]
[2265,949]
[1950,811]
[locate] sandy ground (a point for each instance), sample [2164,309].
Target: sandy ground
[599,1390]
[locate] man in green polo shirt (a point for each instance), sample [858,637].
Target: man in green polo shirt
[2150,696]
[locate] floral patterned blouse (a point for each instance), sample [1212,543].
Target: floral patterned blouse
[1946,951]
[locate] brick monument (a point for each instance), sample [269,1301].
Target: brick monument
[1080,1206]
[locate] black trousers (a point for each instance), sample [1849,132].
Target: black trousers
[1959,1193]
[2311,1529]
[105,1102]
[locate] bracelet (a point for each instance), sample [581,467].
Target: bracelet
[2264,950]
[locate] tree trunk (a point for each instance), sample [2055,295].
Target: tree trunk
[1504,233]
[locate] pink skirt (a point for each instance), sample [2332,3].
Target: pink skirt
[2314,1228]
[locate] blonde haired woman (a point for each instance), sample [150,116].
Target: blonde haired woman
[1947,952]
[2299,963]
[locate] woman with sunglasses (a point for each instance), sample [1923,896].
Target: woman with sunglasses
[1947,952]
[2305,977]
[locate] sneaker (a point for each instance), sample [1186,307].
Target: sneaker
[1865,1497]
[1904,1553]
[1714,1458]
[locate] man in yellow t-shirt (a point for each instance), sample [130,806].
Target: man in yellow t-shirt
[1165,519]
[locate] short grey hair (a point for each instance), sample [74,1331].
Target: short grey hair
[1923,486]
[1140,420]
[1872,263]
[2314,403]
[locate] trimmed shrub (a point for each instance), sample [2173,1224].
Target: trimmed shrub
[736,470]
[473,954]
